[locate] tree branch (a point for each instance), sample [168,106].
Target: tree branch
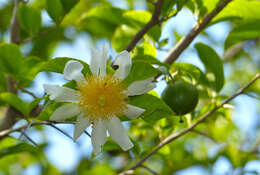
[153,21]
[11,114]
[175,52]
[174,136]
[38,35]
[6,132]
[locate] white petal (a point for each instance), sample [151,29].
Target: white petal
[98,61]
[133,112]
[98,136]
[118,133]
[140,87]
[72,71]
[124,61]
[80,126]
[64,112]
[60,94]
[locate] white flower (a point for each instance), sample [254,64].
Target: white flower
[100,100]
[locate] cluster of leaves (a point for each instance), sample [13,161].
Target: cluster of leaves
[100,20]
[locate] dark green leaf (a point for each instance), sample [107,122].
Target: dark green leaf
[186,69]
[68,5]
[29,18]
[10,58]
[55,10]
[140,71]
[155,108]
[212,63]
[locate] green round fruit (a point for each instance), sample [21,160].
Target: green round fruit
[182,97]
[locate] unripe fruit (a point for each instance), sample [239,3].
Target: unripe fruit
[181,97]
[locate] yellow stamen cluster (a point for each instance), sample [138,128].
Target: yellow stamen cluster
[102,97]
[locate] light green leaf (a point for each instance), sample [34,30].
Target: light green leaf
[55,10]
[15,102]
[101,21]
[136,19]
[57,65]
[18,148]
[29,18]
[243,32]
[122,37]
[10,58]
[212,63]
[155,108]
[140,71]
[239,10]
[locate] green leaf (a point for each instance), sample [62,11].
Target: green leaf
[136,19]
[243,32]
[146,58]
[146,53]
[68,4]
[10,58]
[18,148]
[212,63]
[186,69]
[140,71]
[155,108]
[15,102]
[55,10]
[31,67]
[238,10]
[167,6]
[48,110]
[122,37]
[101,21]
[145,49]
[57,65]
[29,18]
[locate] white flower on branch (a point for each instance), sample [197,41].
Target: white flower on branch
[100,99]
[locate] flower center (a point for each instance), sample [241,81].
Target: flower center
[102,97]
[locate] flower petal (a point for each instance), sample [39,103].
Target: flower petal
[98,136]
[64,112]
[80,126]
[133,112]
[60,94]
[140,87]
[118,133]
[98,61]
[72,71]
[124,61]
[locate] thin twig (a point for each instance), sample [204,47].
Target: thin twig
[28,92]
[38,35]
[174,136]
[28,138]
[175,52]
[6,132]
[252,96]
[149,169]
[153,21]
[87,133]
[63,132]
